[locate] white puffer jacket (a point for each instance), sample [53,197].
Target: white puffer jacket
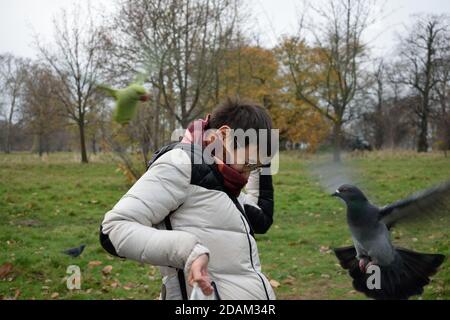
[204,219]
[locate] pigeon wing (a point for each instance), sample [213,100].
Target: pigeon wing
[426,204]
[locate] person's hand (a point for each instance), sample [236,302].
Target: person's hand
[199,274]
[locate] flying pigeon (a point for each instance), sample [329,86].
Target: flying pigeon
[75,252]
[403,273]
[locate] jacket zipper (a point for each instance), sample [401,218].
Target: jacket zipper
[239,207]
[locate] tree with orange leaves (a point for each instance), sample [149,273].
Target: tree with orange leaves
[253,72]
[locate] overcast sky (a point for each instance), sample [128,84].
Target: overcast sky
[19,19]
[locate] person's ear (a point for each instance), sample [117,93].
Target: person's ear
[210,136]
[226,136]
[225,133]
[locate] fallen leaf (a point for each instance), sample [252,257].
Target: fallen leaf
[129,286]
[325,249]
[55,295]
[107,270]
[17,294]
[274,283]
[5,270]
[94,263]
[290,281]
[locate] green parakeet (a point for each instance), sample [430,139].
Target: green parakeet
[127,101]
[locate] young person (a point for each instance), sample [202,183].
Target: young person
[188,215]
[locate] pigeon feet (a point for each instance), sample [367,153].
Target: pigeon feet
[364,263]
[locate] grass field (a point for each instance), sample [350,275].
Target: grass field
[50,204]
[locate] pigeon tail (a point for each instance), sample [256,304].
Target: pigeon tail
[405,277]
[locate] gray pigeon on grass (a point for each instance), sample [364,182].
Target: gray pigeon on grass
[75,252]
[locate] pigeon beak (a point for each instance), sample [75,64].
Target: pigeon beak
[144,98]
[336,194]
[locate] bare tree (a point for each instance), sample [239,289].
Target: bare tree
[379,90]
[177,45]
[420,51]
[441,114]
[40,108]
[329,77]
[12,76]
[185,38]
[77,59]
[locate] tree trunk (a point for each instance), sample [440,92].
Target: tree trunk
[145,149]
[379,138]
[84,158]
[379,128]
[173,123]
[158,127]
[40,148]
[94,144]
[9,124]
[337,141]
[47,145]
[422,142]
[8,139]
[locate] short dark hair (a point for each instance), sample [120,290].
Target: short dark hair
[242,114]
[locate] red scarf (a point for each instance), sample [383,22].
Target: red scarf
[233,180]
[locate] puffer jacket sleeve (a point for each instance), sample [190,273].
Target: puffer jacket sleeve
[130,226]
[259,201]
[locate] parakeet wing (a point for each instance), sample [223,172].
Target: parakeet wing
[141,77]
[150,65]
[112,92]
